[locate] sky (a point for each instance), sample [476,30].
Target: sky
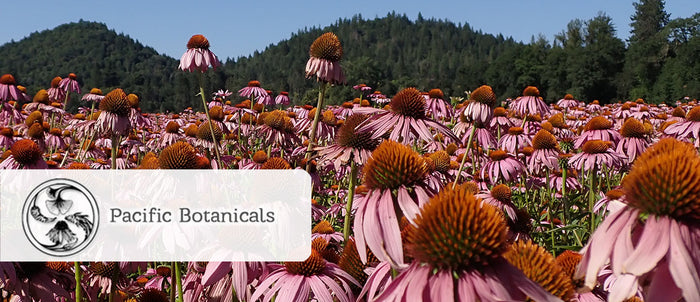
[238,28]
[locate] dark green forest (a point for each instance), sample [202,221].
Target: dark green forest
[659,62]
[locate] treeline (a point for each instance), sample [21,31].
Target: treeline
[659,62]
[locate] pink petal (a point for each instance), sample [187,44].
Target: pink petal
[320,291]
[390,228]
[442,286]
[407,205]
[625,287]
[239,279]
[682,266]
[662,288]
[599,247]
[652,246]
[215,271]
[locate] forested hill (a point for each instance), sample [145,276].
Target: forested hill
[98,56]
[587,59]
[385,53]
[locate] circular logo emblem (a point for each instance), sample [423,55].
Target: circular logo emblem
[60,217]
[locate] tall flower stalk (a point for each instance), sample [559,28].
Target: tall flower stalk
[324,63]
[69,84]
[351,196]
[209,122]
[78,281]
[479,109]
[199,57]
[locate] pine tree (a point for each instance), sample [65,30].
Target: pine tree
[647,49]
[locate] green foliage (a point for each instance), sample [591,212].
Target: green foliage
[100,58]
[388,54]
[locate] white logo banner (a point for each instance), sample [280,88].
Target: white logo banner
[155,215]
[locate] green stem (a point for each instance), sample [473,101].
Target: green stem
[564,200]
[591,200]
[351,196]
[78,282]
[65,101]
[172,285]
[314,125]
[178,281]
[549,212]
[464,156]
[115,147]
[211,126]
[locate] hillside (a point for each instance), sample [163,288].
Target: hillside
[388,53]
[385,53]
[99,57]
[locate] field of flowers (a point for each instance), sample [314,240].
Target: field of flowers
[417,197]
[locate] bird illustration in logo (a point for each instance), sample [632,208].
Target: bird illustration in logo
[59,210]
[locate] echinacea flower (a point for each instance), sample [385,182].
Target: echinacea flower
[325,230]
[94,96]
[502,167]
[379,98]
[482,136]
[101,276]
[687,129]
[500,121]
[54,140]
[598,128]
[457,245]
[499,196]
[198,56]
[568,261]
[653,241]
[26,154]
[282,98]
[437,107]
[325,128]
[313,278]
[479,107]
[406,121]
[540,266]
[278,130]
[324,62]
[613,201]
[204,136]
[170,135]
[9,90]
[70,84]
[223,94]
[179,155]
[55,93]
[595,155]
[253,91]
[634,139]
[114,118]
[567,102]
[6,138]
[394,177]
[514,140]
[545,154]
[530,103]
[349,144]
[158,277]
[559,127]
